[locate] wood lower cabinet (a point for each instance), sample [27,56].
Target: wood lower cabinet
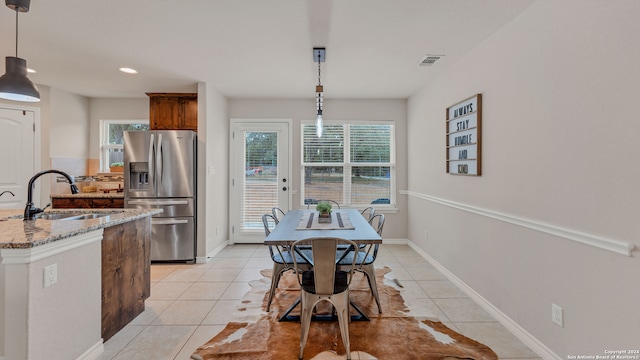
[87,203]
[173,111]
[126,273]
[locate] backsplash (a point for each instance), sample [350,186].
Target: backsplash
[85,173]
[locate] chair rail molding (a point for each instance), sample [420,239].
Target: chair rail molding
[616,246]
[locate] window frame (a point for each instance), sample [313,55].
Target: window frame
[347,165]
[104,140]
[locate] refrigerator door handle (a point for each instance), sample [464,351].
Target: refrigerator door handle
[159,161]
[152,153]
[168,222]
[158,202]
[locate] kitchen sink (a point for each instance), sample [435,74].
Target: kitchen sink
[71,216]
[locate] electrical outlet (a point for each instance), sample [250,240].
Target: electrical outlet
[50,275]
[556,314]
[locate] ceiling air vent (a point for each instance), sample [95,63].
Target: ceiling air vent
[430,60]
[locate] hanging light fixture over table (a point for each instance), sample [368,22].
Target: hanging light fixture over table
[14,84]
[319,55]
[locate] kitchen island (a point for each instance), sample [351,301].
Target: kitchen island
[68,285]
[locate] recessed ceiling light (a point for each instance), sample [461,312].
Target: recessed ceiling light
[128,70]
[31,71]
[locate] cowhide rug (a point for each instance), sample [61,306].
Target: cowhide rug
[402,331]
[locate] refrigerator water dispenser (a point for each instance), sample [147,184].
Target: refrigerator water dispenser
[139,175]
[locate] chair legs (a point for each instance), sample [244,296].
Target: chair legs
[276,274]
[370,271]
[341,304]
[342,309]
[305,319]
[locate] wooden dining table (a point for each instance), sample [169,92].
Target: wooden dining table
[302,224]
[289,228]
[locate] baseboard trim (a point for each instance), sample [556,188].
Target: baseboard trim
[93,352]
[616,246]
[386,241]
[214,252]
[534,344]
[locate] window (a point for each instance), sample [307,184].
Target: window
[352,163]
[112,144]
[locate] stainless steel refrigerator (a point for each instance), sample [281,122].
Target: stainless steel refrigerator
[160,173]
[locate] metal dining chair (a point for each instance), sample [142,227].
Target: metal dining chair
[368,213]
[277,214]
[325,281]
[366,257]
[282,258]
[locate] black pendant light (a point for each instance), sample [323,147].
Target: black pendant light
[14,84]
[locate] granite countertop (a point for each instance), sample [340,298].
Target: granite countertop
[16,233]
[99,194]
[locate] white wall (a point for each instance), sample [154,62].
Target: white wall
[69,120]
[113,109]
[559,88]
[303,109]
[213,145]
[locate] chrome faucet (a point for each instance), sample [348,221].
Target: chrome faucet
[7,191]
[30,210]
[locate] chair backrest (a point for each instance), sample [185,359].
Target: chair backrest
[368,212]
[269,222]
[377,222]
[314,202]
[277,214]
[325,255]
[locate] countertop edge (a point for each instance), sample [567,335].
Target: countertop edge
[16,233]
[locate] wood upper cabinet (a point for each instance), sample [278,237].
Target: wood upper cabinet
[173,111]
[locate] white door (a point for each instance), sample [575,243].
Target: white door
[260,176]
[17,156]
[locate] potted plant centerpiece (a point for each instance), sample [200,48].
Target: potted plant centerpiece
[324,212]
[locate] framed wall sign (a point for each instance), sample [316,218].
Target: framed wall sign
[464,137]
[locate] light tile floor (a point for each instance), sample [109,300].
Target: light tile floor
[189,304]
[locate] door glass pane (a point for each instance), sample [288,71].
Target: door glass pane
[260,180]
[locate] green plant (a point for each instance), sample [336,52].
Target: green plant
[323,207]
[116,164]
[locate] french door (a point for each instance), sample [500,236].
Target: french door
[260,175]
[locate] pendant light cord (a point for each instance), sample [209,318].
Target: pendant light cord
[16,31]
[319,83]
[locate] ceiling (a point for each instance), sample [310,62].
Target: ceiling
[248,48]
